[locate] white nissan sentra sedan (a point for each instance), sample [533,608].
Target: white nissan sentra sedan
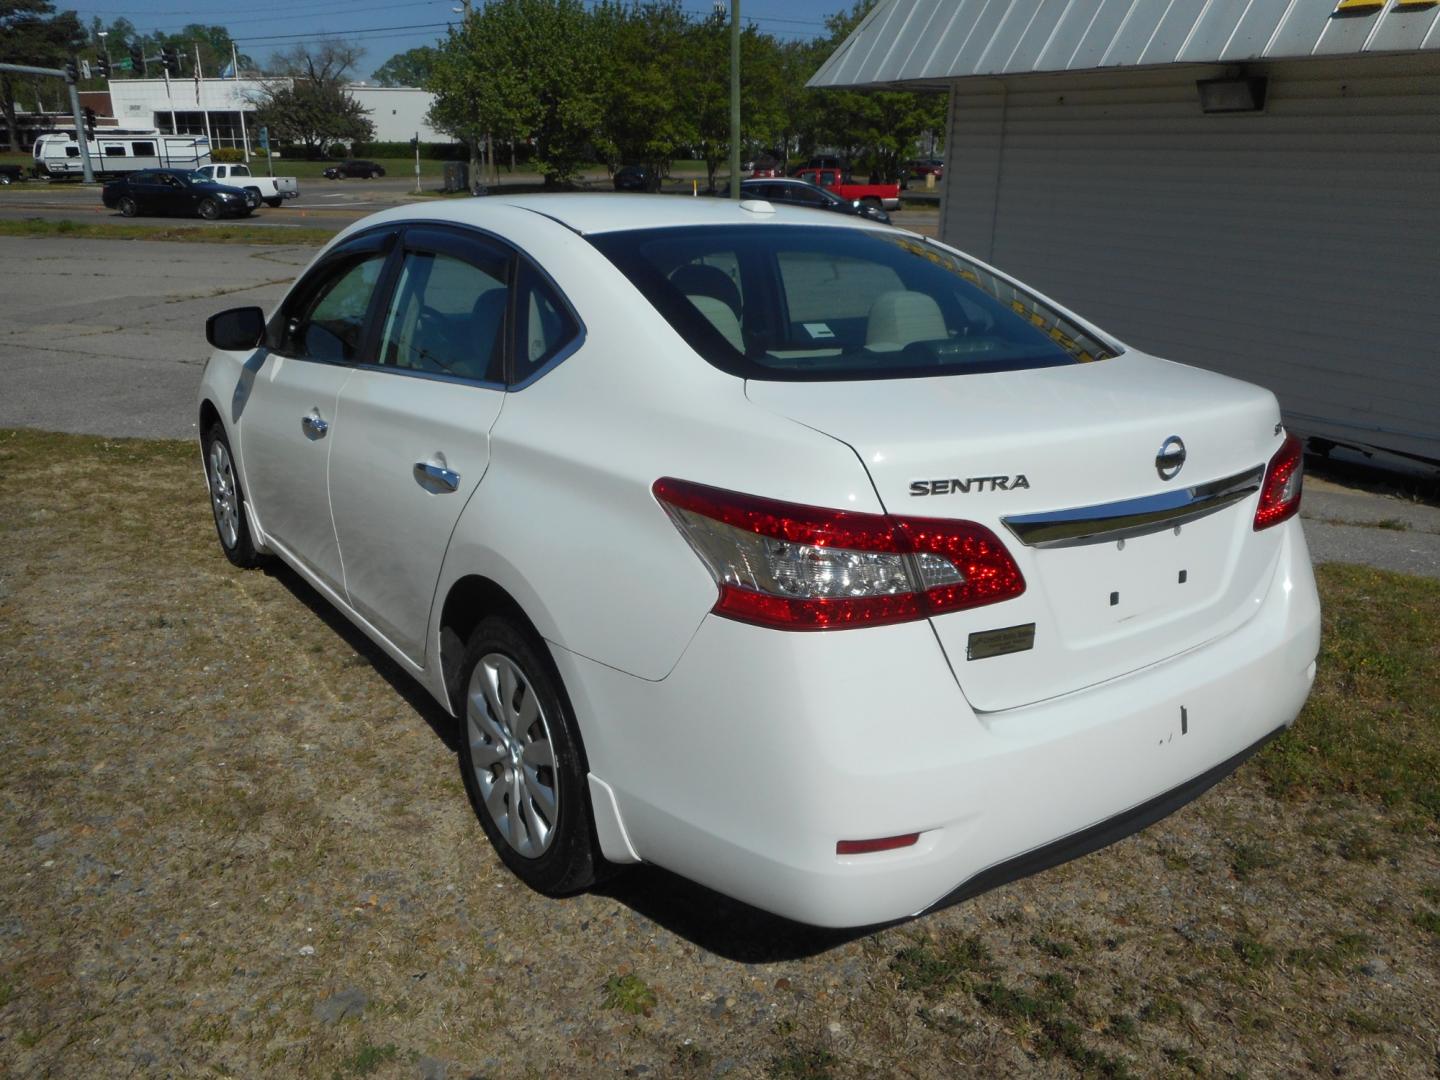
[805,557]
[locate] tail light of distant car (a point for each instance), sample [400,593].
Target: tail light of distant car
[794,567]
[1280,490]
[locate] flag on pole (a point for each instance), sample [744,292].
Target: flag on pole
[228,71]
[198,74]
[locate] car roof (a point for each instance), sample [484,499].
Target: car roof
[598,213]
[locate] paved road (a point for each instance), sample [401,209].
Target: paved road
[107,337]
[323,204]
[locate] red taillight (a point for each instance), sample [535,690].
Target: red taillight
[884,843]
[795,567]
[1280,490]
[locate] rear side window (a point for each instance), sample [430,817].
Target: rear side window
[793,302]
[144,149]
[544,326]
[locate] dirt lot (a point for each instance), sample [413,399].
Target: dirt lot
[235,843]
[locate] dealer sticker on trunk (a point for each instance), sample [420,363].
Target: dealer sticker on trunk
[1010,639]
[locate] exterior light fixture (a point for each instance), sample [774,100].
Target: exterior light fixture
[1244,94]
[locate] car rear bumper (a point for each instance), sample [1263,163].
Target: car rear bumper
[762,749]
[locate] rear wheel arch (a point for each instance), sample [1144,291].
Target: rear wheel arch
[471,599]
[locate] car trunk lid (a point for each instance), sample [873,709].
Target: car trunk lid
[1123,566]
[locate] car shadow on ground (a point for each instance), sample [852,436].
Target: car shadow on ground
[703,917]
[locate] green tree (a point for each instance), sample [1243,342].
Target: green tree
[32,34]
[523,70]
[410,68]
[705,95]
[307,105]
[643,73]
[876,130]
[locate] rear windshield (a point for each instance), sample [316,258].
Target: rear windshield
[795,302]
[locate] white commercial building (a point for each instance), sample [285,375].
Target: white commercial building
[186,105]
[1249,186]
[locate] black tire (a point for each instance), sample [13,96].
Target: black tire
[226,495]
[128,207]
[870,201]
[252,197]
[565,859]
[208,209]
[5,179]
[274,203]
[375,175]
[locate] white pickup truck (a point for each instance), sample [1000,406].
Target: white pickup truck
[272,190]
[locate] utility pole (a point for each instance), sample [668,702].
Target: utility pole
[71,74]
[735,99]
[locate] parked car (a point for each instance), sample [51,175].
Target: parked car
[173,191]
[367,170]
[804,193]
[271,190]
[822,161]
[636,178]
[879,196]
[812,560]
[921,168]
[11,174]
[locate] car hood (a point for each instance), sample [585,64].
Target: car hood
[220,189]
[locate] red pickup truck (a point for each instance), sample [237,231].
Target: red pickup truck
[883,195]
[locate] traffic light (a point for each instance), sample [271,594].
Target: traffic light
[89,115]
[137,60]
[103,67]
[72,70]
[170,59]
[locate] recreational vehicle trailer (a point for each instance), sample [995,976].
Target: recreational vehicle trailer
[115,152]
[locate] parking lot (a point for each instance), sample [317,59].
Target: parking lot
[235,839]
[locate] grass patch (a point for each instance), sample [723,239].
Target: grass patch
[367,1059]
[217,234]
[1335,955]
[1247,858]
[1252,952]
[1429,921]
[1372,725]
[1040,1018]
[629,993]
[802,1062]
[931,969]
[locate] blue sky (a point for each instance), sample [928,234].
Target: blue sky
[387,28]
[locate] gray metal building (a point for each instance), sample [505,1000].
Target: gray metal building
[1251,186]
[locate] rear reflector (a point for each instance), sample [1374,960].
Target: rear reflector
[885,843]
[795,567]
[1280,490]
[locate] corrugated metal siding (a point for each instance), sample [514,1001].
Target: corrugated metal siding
[924,40]
[1298,248]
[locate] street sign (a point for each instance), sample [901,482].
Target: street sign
[264,138]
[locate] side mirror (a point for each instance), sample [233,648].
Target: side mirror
[236,330]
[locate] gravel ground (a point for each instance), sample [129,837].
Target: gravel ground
[234,842]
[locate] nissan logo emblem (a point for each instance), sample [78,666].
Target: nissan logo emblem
[1170,458]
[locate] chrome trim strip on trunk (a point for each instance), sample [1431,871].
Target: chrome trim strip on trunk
[1132,517]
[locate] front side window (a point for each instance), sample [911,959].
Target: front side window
[797,302]
[324,319]
[447,317]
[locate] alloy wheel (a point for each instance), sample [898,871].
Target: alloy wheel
[222,494]
[512,754]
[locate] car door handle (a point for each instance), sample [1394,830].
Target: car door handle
[428,473]
[315,425]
